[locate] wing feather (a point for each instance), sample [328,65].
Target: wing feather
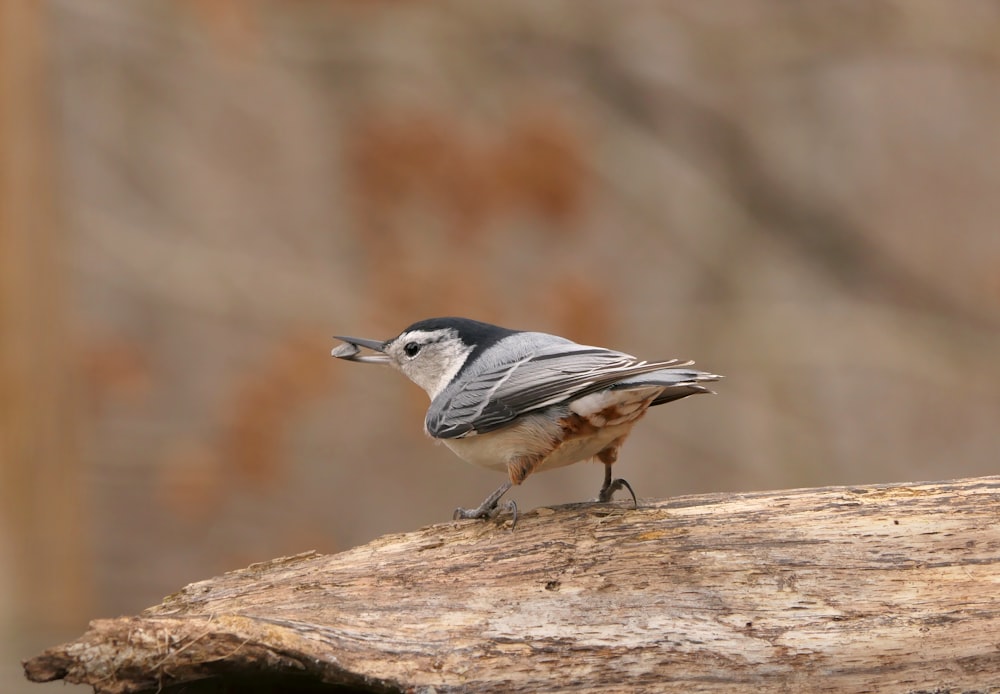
[500,393]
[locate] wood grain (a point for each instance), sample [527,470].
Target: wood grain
[878,588]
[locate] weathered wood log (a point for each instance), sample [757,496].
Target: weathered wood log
[878,588]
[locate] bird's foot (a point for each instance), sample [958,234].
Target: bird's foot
[612,486]
[490,507]
[488,512]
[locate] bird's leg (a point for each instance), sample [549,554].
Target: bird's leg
[488,508]
[518,468]
[608,456]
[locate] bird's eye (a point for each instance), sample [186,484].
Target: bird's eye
[411,349]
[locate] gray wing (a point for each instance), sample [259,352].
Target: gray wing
[497,394]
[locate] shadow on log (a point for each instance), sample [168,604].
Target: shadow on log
[881,588]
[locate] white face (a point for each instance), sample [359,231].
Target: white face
[428,358]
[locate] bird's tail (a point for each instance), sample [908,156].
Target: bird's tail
[677,383]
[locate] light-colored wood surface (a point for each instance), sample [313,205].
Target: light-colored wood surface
[880,588]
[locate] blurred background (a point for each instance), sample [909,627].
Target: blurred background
[195,195]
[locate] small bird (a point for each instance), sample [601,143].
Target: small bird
[522,402]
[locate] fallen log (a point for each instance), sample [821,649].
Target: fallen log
[889,588]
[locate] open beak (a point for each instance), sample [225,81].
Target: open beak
[351,350]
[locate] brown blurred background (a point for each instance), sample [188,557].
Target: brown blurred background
[194,196]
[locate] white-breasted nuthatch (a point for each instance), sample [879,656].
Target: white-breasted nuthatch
[523,402]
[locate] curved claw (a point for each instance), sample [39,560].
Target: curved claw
[624,483]
[512,507]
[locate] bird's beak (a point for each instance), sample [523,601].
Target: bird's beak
[351,349]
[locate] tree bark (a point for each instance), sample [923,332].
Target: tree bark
[891,588]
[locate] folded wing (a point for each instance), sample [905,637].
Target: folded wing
[498,394]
